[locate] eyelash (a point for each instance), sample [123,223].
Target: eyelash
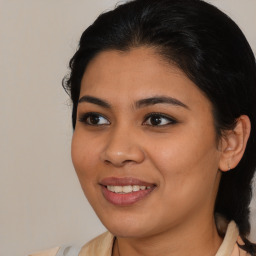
[170,120]
[84,119]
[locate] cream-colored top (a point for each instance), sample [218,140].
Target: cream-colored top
[102,245]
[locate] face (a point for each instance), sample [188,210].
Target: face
[144,147]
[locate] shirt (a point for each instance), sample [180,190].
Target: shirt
[103,244]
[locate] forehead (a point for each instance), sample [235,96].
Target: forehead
[135,74]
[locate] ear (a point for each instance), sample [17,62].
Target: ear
[233,144]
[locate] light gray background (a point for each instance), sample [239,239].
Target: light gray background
[41,203]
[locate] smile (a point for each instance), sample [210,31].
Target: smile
[126,189]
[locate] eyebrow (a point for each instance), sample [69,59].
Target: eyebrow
[158,100]
[139,104]
[95,101]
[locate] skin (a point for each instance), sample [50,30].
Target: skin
[182,158]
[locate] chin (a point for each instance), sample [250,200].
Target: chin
[129,227]
[131,232]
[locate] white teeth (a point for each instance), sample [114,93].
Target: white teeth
[111,188]
[135,187]
[117,189]
[126,189]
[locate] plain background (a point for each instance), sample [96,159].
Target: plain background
[41,203]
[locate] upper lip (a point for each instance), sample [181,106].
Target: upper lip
[125,181]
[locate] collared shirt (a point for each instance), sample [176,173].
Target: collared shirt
[103,244]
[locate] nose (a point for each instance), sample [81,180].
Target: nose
[121,148]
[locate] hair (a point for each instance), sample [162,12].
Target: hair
[212,51]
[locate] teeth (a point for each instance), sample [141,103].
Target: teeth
[117,189]
[126,189]
[135,188]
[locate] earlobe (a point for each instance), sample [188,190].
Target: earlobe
[233,144]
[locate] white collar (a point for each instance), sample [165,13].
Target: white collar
[229,241]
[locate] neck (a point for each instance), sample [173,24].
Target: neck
[192,239]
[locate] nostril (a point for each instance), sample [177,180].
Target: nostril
[127,161]
[119,157]
[119,163]
[107,162]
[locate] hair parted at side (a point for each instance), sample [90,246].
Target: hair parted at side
[211,50]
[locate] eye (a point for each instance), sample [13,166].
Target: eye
[93,119]
[157,119]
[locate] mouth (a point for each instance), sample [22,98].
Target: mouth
[125,191]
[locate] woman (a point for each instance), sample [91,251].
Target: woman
[164,130]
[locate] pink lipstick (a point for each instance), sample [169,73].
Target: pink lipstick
[125,191]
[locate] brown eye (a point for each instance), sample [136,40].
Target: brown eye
[93,119]
[158,120]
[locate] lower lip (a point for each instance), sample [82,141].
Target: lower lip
[125,199]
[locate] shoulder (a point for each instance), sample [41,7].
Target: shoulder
[231,240]
[59,251]
[239,252]
[49,252]
[99,246]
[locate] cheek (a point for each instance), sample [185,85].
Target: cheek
[83,157]
[188,164]
[84,161]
